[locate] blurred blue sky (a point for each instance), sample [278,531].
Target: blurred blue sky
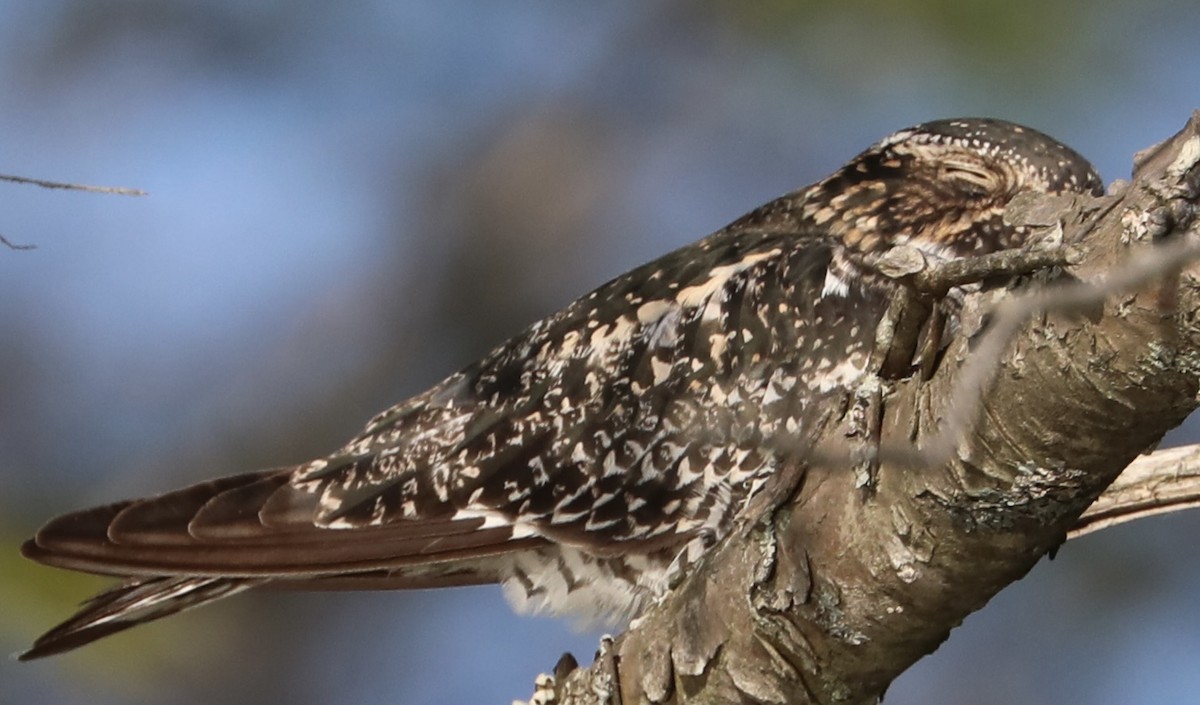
[348,201]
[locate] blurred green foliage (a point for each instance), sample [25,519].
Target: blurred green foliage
[969,28]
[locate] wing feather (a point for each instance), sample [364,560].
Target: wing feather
[183,533]
[598,428]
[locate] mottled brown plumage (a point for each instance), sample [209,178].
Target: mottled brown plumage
[584,459]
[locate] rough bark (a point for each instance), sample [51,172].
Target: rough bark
[829,597]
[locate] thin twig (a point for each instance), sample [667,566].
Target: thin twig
[945,275]
[1159,483]
[115,190]
[14,246]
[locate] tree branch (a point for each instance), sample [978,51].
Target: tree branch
[14,246]
[1160,483]
[115,190]
[829,596]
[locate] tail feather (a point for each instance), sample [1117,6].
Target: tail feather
[201,543]
[129,604]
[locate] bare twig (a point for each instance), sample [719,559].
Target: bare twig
[115,190]
[14,246]
[939,276]
[1159,483]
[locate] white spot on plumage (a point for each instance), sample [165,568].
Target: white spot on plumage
[834,285]
[594,525]
[561,517]
[611,465]
[651,311]
[661,368]
[841,374]
[697,294]
[717,343]
[607,339]
[491,518]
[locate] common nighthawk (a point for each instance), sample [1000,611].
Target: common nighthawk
[578,461]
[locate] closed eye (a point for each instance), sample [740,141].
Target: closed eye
[976,177]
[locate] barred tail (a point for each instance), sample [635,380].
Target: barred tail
[132,603]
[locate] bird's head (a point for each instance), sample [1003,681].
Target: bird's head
[943,186]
